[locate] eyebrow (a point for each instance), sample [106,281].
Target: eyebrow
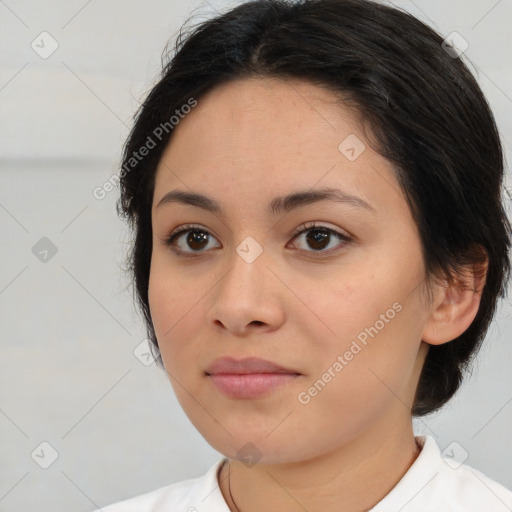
[278,205]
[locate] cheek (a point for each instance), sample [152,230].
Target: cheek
[377,334]
[167,303]
[161,298]
[358,382]
[175,305]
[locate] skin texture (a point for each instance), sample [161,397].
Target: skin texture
[246,142]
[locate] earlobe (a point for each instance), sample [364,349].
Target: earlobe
[455,306]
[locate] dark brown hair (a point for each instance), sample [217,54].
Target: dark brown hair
[424,108]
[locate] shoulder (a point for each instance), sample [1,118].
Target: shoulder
[188,495]
[436,482]
[469,490]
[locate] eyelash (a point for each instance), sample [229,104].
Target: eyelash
[308,226]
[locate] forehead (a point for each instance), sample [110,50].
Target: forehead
[251,112]
[251,136]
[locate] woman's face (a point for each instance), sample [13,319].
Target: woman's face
[345,315]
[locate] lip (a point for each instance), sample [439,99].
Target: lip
[250,377]
[245,366]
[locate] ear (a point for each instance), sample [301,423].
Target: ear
[455,304]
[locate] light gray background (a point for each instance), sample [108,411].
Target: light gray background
[68,374]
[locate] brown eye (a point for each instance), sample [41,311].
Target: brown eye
[189,239]
[318,238]
[196,240]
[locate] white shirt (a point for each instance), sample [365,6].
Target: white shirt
[433,483]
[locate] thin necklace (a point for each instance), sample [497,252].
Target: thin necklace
[229,487]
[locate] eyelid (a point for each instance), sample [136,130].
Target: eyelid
[187,227]
[320,225]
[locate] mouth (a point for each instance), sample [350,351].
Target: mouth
[249,377]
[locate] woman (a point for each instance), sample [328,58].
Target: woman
[320,243]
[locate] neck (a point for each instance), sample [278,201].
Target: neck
[352,478]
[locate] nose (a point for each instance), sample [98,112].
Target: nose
[247,298]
